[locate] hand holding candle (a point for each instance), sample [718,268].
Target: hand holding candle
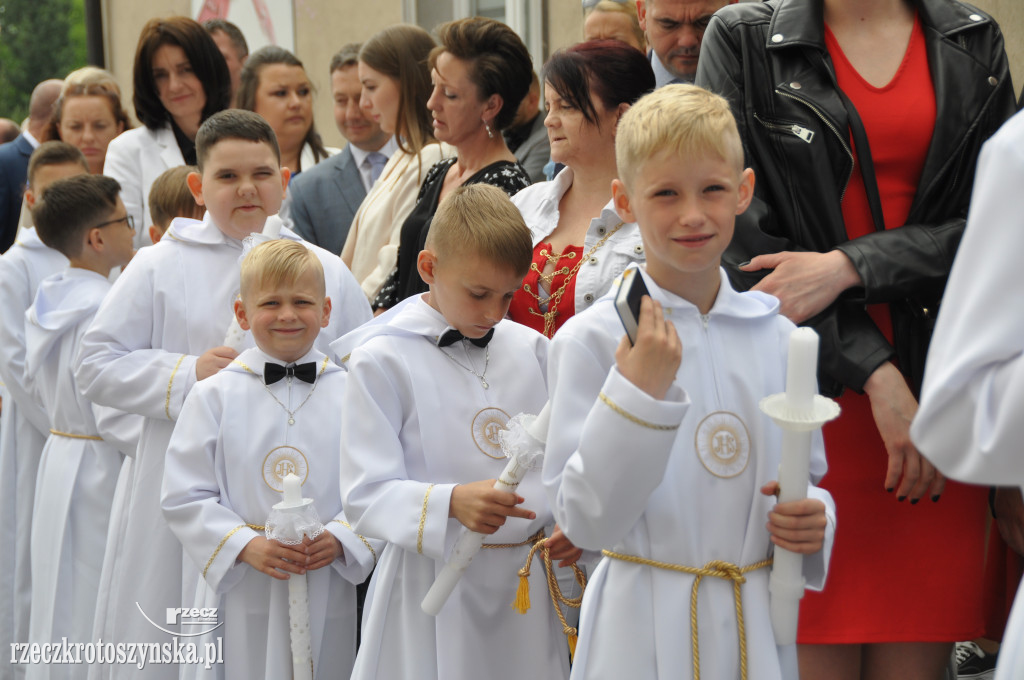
[799,411]
[522,455]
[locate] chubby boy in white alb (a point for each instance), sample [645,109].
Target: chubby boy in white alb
[24,424]
[660,457]
[272,411]
[162,329]
[431,383]
[83,218]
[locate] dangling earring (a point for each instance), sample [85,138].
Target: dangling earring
[490,132]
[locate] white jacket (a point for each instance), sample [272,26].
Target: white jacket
[135,159]
[539,205]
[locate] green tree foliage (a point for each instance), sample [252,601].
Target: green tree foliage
[39,39]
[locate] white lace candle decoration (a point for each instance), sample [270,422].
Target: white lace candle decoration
[799,411]
[235,338]
[523,445]
[289,521]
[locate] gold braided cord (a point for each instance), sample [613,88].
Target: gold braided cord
[423,520]
[71,435]
[557,598]
[361,538]
[167,403]
[530,541]
[715,569]
[632,418]
[555,298]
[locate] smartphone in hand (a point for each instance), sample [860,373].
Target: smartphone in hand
[627,301]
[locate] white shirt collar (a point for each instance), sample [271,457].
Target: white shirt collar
[31,139]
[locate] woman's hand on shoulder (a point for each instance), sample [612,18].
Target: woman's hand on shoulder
[805,282]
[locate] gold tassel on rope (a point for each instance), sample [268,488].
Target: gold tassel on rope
[522,602]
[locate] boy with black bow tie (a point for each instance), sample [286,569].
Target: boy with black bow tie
[270,412]
[431,384]
[161,332]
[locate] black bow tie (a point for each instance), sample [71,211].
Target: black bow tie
[451,336]
[273,372]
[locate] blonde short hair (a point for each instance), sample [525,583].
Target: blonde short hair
[279,262]
[169,197]
[479,219]
[629,9]
[684,120]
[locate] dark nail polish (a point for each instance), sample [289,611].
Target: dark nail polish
[935,498]
[913,501]
[901,499]
[890,490]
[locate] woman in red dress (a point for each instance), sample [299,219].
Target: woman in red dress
[855,234]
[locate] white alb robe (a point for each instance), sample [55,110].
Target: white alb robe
[217,480]
[969,424]
[625,487]
[23,429]
[172,303]
[76,476]
[414,425]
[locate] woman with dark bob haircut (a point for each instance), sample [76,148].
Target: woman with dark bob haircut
[480,72]
[580,244]
[273,83]
[180,79]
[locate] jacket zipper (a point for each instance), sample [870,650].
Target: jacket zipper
[795,130]
[830,126]
[704,318]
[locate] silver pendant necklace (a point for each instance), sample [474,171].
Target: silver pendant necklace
[482,377]
[291,414]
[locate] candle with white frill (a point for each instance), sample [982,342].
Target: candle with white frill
[298,596]
[523,444]
[799,411]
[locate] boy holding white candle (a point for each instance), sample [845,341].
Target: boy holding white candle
[431,383]
[161,330]
[660,451]
[84,219]
[272,411]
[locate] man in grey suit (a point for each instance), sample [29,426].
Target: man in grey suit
[323,200]
[527,137]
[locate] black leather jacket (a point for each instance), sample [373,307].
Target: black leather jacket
[770,61]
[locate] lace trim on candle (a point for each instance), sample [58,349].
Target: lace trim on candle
[715,569]
[361,538]
[423,521]
[225,540]
[632,418]
[71,435]
[167,403]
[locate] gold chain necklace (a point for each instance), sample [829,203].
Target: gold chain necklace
[291,414]
[553,300]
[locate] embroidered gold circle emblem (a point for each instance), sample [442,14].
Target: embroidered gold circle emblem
[487,423]
[281,462]
[723,444]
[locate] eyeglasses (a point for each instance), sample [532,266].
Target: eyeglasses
[127,219]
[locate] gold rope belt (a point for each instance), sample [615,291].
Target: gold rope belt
[716,569]
[71,435]
[522,602]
